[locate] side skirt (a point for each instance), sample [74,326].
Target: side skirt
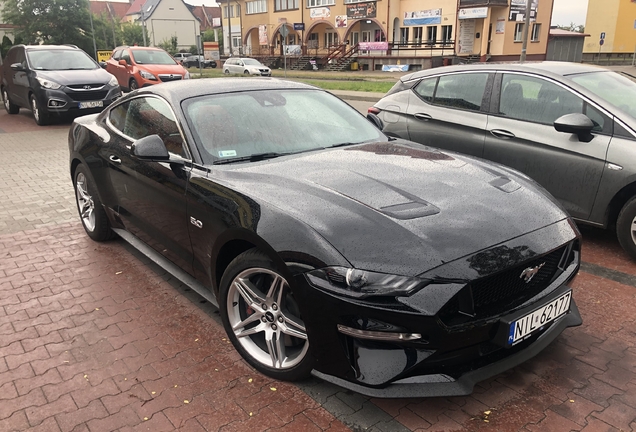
[168,266]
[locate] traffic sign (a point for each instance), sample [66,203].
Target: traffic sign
[602,35]
[284,30]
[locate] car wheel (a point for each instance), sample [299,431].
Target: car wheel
[626,227]
[262,319]
[90,209]
[41,117]
[246,72]
[133,84]
[8,105]
[226,71]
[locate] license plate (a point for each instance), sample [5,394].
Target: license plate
[535,321]
[91,104]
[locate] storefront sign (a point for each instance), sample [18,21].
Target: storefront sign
[319,13]
[473,13]
[373,46]
[395,68]
[361,10]
[341,21]
[262,35]
[518,10]
[299,26]
[293,50]
[466,39]
[424,17]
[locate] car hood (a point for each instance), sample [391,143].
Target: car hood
[162,69]
[73,77]
[399,207]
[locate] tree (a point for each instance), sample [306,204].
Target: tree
[169,45]
[50,21]
[108,33]
[133,34]
[6,45]
[580,28]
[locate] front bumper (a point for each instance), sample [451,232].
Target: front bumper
[452,354]
[64,100]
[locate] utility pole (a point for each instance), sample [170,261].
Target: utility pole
[229,30]
[90,14]
[526,28]
[143,24]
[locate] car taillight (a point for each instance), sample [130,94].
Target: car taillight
[373,110]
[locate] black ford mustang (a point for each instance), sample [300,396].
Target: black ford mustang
[384,266]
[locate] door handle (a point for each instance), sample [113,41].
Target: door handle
[504,134]
[114,159]
[423,117]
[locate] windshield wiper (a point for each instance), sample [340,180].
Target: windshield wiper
[251,158]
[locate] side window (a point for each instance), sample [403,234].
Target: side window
[537,100]
[152,116]
[20,57]
[426,89]
[10,58]
[602,123]
[464,91]
[125,55]
[117,55]
[117,116]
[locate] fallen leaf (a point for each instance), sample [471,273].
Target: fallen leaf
[186,401]
[153,392]
[196,340]
[571,400]
[272,388]
[250,380]
[65,361]
[216,369]
[125,379]
[96,308]
[486,412]
[118,272]
[250,414]
[486,421]
[145,418]
[175,386]
[85,376]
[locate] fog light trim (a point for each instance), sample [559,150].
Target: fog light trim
[376,335]
[58,103]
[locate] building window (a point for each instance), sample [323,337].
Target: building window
[447,34]
[238,10]
[331,38]
[431,35]
[417,36]
[312,41]
[519,32]
[404,35]
[355,1]
[315,3]
[236,41]
[229,14]
[536,32]
[254,7]
[281,5]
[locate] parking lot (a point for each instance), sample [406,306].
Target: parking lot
[95,337]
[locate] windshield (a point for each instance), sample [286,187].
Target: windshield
[616,89]
[152,57]
[60,60]
[252,62]
[241,125]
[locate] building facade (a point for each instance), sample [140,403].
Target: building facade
[614,22]
[415,32]
[165,19]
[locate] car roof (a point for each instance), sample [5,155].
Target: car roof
[50,47]
[544,68]
[177,91]
[139,47]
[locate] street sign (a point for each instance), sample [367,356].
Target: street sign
[103,55]
[284,31]
[601,42]
[301,26]
[602,35]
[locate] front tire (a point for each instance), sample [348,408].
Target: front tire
[246,72]
[133,84]
[626,227]
[8,105]
[262,319]
[90,208]
[41,117]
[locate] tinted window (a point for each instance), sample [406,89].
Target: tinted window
[141,117]
[426,89]
[619,90]
[60,60]
[20,58]
[464,91]
[536,100]
[117,55]
[152,57]
[125,55]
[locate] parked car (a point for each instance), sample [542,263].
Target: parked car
[180,57]
[384,266]
[247,66]
[54,80]
[198,61]
[570,127]
[137,67]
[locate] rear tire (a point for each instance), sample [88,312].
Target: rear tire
[626,227]
[91,212]
[8,105]
[41,117]
[226,71]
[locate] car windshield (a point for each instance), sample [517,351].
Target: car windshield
[616,89]
[152,57]
[60,60]
[236,126]
[252,62]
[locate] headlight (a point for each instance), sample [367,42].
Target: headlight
[113,82]
[360,283]
[147,75]
[187,75]
[48,84]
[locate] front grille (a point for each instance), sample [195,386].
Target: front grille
[88,95]
[504,291]
[82,87]
[167,78]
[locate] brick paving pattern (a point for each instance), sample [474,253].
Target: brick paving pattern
[95,337]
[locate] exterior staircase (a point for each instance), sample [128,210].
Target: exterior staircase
[301,63]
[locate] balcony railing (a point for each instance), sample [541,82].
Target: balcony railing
[480,3]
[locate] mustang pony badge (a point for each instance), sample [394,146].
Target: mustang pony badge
[529,273]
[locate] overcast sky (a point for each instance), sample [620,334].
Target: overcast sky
[565,11]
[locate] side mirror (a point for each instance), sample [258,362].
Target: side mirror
[103,65]
[17,67]
[123,63]
[151,147]
[375,120]
[578,124]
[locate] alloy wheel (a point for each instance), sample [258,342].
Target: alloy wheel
[633,230]
[265,319]
[85,202]
[5,97]
[35,109]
